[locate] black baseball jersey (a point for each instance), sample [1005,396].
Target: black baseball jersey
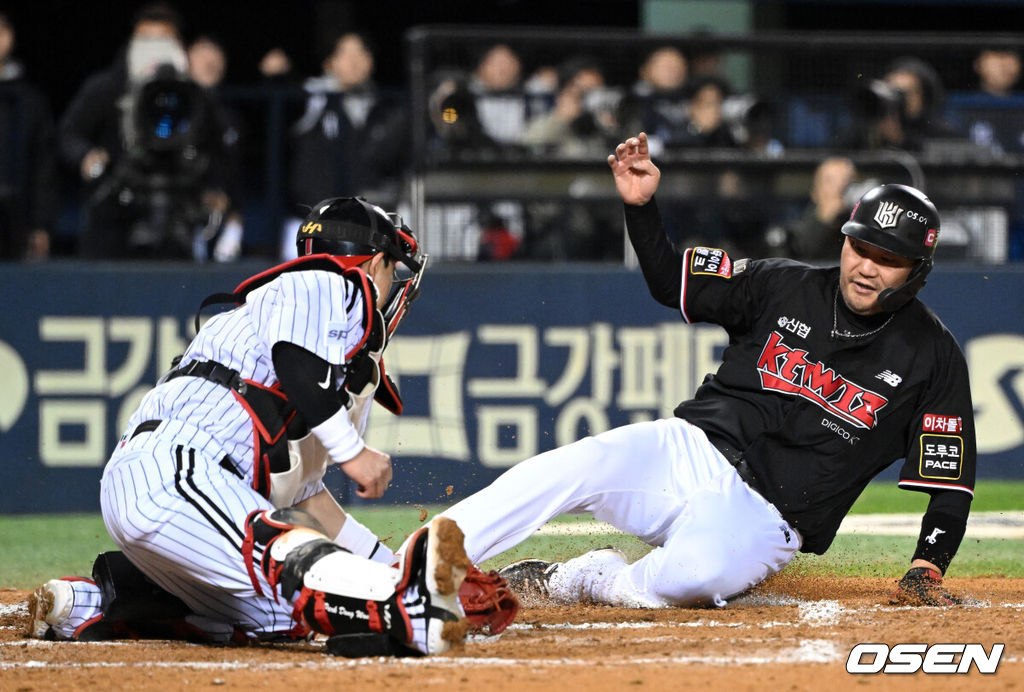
[820,400]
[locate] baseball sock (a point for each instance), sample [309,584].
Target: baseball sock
[360,541]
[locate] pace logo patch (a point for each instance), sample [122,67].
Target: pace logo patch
[942,424]
[710,261]
[941,456]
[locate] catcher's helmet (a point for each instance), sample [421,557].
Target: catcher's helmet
[901,220]
[352,227]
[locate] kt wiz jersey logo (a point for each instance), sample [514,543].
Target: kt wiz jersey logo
[787,370]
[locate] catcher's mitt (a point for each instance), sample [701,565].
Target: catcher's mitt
[922,586]
[489,604]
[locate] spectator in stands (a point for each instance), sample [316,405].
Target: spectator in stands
[998,71]
[541,90]
[705,58]
[27,160]
[275,65]
[584,118]
[705,123]
[752,122]
[815,234]
[498,242]
[352,138]
[207,66]
[499,98]
[991,117]
[657,103]
[900,111]
[923,101]
[123,141]
[993,122]
[583,124]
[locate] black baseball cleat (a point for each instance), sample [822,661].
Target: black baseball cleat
[529,578]
[49,605]
[433,565]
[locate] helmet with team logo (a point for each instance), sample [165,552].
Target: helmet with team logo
[352,227]
[901,220]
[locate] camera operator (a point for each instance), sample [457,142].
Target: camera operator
[144,140]
[584,117]
[28,189]
[900,111]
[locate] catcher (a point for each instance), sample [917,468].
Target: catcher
[215,492]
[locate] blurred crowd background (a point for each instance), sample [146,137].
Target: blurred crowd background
[184,132]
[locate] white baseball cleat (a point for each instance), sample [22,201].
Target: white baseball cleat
[576,580]
[48,606]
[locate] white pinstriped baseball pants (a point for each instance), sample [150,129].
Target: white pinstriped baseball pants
[661,481]
[179,517]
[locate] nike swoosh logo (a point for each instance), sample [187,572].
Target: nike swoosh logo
[327,379]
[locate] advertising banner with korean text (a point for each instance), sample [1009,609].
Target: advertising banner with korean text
[496,363]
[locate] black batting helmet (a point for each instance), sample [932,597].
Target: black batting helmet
[352,227]
[901,220]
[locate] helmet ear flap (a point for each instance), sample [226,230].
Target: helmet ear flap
[892,299]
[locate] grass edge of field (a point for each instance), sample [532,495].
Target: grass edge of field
[33,555]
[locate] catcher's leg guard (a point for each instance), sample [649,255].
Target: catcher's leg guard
[354,600]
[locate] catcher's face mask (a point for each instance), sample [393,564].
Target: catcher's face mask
[409,268]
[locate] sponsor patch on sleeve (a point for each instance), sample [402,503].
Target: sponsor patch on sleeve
[941,456]
[335,334]
[934,422]
[711,262]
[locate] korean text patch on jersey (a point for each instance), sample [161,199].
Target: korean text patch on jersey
[710,262]
[941,456]
[942,424]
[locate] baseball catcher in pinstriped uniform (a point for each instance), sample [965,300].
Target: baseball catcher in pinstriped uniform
[215,492]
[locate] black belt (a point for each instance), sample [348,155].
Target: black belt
[735,457]
[212,371]
[151,425]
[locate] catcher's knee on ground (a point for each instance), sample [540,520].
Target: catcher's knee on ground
[118,602]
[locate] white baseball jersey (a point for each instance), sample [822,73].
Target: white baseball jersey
[170,501]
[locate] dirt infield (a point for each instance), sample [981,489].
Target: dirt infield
[792,633]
